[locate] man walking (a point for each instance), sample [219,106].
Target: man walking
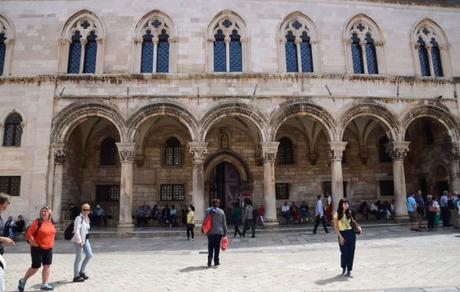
[445,213]
[319,215]
[218,230]
[249,219]
[411,210]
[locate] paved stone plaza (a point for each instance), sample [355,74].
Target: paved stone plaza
[388,258]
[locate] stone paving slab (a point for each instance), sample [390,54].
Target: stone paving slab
[391,259]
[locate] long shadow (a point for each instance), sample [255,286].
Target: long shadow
[338,278]
[55,284]
[193,269]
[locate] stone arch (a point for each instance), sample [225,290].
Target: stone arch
[371,109]
[73,115]
[232,157]
[183,115]
[309,109]
[436,112]
[248,112]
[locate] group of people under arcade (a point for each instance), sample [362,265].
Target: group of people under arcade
[428,208]
[10,228]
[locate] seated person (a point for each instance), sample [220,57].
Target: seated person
[141,215]
[286,212]
[74,211]
[364,210]
[165,215]
[155,214]
[295,213]
[19,225]
[172,216]
[8,228]
[304,213]
[99,215]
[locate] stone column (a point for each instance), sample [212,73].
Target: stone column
[198,151]
[60,155]
[126,153]
[454,167]
[335,155]
[269,150]
[398,153]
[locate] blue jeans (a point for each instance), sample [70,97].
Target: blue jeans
[78,251]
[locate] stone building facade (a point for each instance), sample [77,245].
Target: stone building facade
[174,102]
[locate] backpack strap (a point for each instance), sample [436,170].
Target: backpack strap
[39,223]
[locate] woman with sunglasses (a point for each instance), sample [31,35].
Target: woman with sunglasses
[40,236]
[81,240]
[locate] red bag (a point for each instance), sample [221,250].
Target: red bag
[224,243]
[207,224]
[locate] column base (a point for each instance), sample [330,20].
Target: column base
[271,223]
[125,227]
[401,218]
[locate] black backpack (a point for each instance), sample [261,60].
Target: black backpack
[68,232]
[39,220]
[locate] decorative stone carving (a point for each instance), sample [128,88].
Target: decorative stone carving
[336,152]
[126,152]
[399,150]
[455,150]
[198,151]
[269,150]
[312,158]
[60,155]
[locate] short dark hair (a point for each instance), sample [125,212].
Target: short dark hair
[215,202]
[4,199]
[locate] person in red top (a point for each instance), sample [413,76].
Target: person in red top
[41,239]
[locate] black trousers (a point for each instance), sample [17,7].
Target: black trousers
[445,216]
[237,229]
[431,216]
[347,250]
[190,231]
[214,247]
[249,223]
[320,219]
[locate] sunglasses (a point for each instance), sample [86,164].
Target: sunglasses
[85,210]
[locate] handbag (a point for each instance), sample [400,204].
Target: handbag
[207,224]
[224,243]
[355,226]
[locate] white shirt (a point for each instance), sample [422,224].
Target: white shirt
[285,208]
[458,206]
[319,210]
[80,229]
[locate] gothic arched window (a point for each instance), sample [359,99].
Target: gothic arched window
[6,37]
[285,154]
[155,49]
[227,33]
[109,152]
[13,130]
[297,44]
[82,44]
[430,49]
[383,147]
[365,45]
[173,152]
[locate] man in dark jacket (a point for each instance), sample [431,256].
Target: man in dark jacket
[218,230]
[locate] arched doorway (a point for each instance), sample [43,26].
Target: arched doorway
[225,184]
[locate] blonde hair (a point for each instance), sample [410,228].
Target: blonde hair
[85,205]
[50,216]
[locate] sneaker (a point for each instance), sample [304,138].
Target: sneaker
[21,285]
[216,264]
[78,279]
[84,276]
[193,239]
[47,287]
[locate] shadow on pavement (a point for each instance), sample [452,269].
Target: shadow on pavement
[54,284]
[193,269]
[338,278]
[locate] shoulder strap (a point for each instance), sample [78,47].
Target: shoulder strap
[39,224]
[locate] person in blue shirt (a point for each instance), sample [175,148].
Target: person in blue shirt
[411,209]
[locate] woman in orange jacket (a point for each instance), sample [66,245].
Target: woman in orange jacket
[41,239]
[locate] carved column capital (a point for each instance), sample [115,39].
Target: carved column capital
[455,150]
[399,150]
[126,151]
[198,151]
[269,150]
[336,152]
[60,155]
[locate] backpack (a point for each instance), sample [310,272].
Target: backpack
[68,232]
[36,231]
